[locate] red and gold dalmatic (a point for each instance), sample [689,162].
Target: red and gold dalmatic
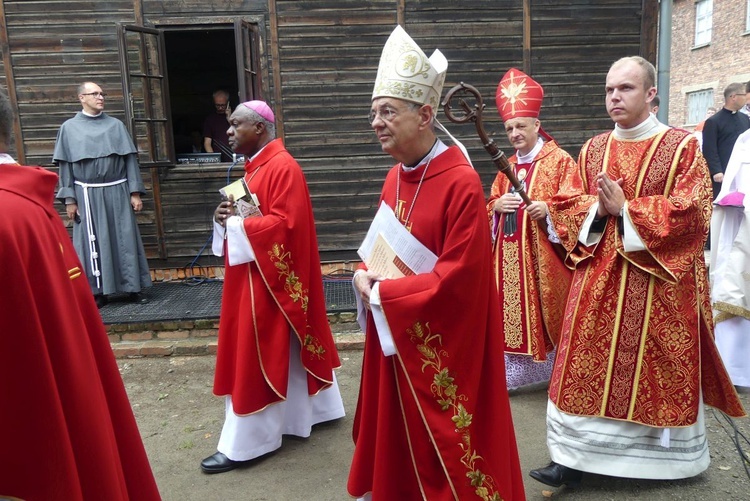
[531,278]
[433,421]
[281,290]
[637,338]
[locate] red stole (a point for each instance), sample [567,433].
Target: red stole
[433,421]
[281,290]
[69,428]
[531,279]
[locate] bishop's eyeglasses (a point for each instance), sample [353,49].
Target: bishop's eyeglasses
[386,113]
[95,94]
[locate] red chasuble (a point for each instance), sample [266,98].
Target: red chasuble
[637,339]
[281,290]
[68,431]
[433,421]
[532,280]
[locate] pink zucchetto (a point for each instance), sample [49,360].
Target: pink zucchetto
[261,108]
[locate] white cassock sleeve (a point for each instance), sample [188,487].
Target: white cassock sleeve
[631,241]
[381,325]
[239,249]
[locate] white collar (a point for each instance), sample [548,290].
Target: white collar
[437,148]
[644,130]
[92,116]
[530,156]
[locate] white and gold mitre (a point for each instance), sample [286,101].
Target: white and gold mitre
[406,73]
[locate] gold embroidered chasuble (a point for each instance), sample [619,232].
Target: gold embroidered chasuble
[637,338]
[531,279]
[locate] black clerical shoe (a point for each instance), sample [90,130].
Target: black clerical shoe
[137,297]
[556,475]
[219,463]
[100,299]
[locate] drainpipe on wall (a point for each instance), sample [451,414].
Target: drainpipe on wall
[664,59]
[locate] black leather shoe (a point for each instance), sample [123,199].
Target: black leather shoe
[100,299]
[219,463]
[137,297]
[556,475]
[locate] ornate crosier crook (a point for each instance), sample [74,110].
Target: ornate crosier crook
[475,115]
[498,157]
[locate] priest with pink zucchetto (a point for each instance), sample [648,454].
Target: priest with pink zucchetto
[276,355]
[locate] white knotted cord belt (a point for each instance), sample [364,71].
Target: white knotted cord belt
[93,255]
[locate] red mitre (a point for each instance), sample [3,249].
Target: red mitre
[518,95]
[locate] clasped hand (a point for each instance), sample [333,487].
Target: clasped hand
[511,202]
[224,211]
[611,197]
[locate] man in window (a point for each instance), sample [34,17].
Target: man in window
[101,186]
[215,139]
[722,130]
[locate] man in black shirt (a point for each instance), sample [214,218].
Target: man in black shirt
[722,130]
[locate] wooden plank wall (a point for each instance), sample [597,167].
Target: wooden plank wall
[55,46]
[573,45]
[328,51]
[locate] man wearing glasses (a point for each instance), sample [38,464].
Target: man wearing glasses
[215,139]
[433,419]
[101,187]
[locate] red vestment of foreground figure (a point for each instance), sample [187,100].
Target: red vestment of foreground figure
[68,431]
[433,421]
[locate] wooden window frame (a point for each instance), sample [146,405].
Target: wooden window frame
[250,84]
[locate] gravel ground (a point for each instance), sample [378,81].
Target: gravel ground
[180,421]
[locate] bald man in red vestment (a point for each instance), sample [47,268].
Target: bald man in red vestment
[68,432]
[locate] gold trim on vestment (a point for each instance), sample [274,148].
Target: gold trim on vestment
[406,422]
[74,272]
[727,311]
[642,346]
[446,393]
[427,429]
[511,267]
[255,328]
[288,321]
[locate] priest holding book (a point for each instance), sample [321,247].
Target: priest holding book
[433,419]
[276,354]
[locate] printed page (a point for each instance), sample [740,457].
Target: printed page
[389,249]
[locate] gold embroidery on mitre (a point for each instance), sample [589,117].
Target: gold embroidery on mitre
[282,260]
[405,72]
[446,393]
[513,92]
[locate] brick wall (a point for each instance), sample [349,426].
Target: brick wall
[726,59]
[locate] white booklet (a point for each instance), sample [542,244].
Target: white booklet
[391,251]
